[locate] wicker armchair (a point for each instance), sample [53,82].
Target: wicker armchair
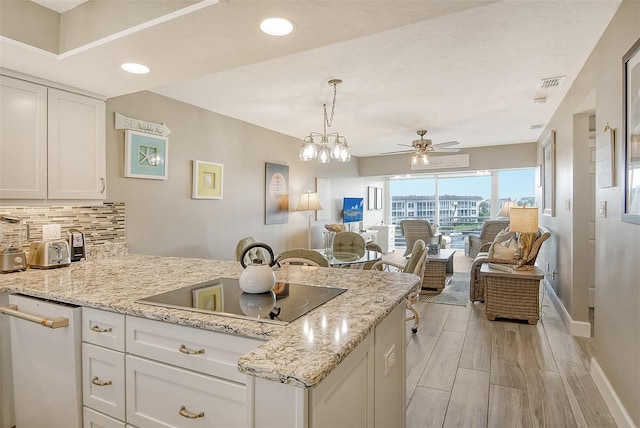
[413,230]
[414,265]
[477,282]
[479,243]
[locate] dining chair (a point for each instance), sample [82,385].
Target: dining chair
[302,256]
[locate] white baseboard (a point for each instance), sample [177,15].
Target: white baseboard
[576,328]
[619,413]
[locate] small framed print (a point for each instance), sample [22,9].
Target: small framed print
[207,180]
[146,155]
[371,198]
[378,198]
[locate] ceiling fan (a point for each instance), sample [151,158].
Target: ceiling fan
[422,147]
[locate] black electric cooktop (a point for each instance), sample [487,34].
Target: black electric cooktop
[223,296]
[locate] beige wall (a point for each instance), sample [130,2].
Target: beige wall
[484,158]
[617,297]
[162,218]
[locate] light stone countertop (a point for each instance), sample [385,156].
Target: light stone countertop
[301,353]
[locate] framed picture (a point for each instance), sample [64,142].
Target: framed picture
[207,180]
[208,298]
[605,158]
[276,193]
[631,139]
[371,198]
[145,155]
[549,174]
[323,188]
[378,198]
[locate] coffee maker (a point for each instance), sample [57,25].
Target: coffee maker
[12,233]
[77,247]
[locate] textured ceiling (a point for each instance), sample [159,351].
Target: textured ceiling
[464,70]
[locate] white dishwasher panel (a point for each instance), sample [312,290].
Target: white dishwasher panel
[46,365]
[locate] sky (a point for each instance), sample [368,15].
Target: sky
[513,184]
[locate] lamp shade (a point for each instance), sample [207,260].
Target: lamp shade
[309,202]
[523,220]
[506,206]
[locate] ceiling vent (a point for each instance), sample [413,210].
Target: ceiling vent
[539,126]
[550,82]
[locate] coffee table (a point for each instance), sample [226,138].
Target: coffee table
[438,270]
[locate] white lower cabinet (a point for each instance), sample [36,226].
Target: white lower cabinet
[93,419]
[103,380]
[159,395]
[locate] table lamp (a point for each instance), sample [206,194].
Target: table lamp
[309,202]
[506,207]
[525,222]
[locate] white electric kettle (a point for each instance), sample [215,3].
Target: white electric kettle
[258,276]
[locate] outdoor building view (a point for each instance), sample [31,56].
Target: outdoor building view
[458,204]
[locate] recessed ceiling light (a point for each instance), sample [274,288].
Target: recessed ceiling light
[276,26]
[132,67]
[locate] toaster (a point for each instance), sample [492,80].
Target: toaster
[49,254]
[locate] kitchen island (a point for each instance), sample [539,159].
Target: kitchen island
[292,363]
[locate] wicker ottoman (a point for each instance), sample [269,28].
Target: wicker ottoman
[438,270]
[514,294]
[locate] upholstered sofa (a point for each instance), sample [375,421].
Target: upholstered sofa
[477,281]
[480,243]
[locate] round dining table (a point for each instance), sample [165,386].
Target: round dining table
[352,259]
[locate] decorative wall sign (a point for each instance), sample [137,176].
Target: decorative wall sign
[207,180]
[276,194]
[146,155]
[631,139]
[123,122]
[605,158]
[323,189]
[549,174]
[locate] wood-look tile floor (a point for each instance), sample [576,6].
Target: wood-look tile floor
[466,371]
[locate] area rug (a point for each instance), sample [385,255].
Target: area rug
[455,293]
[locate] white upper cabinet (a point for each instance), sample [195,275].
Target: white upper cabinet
[77,148]
[52,143]
[23,139]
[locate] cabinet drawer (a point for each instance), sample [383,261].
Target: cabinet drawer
[93,419]
[103,328]
[204,351]
[103,380]
[159,395]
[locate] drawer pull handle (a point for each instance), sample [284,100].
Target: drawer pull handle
[96,381]
[100,330]
[184,350]
[187,414]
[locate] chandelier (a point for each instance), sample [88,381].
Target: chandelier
[323,146]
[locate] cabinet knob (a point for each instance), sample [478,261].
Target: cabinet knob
[187,414]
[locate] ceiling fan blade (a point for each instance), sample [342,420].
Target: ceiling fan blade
[445,150]
[397,152]
[446,144]
[406,145]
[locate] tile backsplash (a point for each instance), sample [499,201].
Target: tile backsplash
[103,225]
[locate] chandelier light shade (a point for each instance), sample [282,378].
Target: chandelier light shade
[326,146]
[505,210]
[309,202]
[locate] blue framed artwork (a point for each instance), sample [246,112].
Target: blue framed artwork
[145,155]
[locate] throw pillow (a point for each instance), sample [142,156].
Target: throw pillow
[504,250]
[504,235]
